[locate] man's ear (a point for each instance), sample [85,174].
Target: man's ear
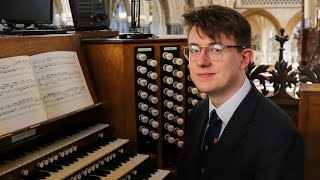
[247,56]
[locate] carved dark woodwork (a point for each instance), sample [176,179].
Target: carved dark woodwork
[282,39]
[281,76]
[256,73]
[307,75]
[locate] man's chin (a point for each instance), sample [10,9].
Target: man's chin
[204,90]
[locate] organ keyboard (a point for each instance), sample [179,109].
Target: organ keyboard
[58,148]
[126,167]
[90,160]
[66,158]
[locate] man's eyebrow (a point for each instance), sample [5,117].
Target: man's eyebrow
[193,44]
[212,43]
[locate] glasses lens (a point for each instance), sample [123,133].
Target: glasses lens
[215,52]
[191,50]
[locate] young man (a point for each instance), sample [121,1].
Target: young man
[251,137]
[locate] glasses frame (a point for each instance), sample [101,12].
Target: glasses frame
[185,48]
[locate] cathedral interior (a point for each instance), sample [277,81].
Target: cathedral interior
[149,78]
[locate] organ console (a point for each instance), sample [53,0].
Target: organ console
[154,120]
[80,144]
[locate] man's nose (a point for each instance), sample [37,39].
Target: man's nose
[203,59]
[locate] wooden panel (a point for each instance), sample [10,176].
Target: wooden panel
[309,125]
[115,84]
[98,33]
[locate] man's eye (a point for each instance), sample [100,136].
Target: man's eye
[215,49]
[194,49]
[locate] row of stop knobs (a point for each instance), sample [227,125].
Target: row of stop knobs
[146,76]
[173,99]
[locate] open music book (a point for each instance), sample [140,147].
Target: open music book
[36,88]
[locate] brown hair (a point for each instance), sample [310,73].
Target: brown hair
[215,20]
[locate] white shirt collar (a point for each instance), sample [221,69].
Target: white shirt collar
[226,110]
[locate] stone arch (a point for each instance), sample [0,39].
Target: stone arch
[292,23]
[266,14]
[264,28]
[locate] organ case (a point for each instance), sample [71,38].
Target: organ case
[126,69]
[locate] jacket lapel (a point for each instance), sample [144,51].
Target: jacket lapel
[197,125]
[195,129]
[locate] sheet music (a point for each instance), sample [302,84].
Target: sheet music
[61,82]
[21,105]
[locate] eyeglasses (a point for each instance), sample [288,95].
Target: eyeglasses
[214,52]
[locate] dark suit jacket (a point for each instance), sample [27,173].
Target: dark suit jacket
[260,142]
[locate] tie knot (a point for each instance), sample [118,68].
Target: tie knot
[214,118]
[213,113]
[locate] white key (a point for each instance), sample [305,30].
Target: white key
[160,174]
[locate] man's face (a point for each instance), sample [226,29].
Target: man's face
[216,77]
